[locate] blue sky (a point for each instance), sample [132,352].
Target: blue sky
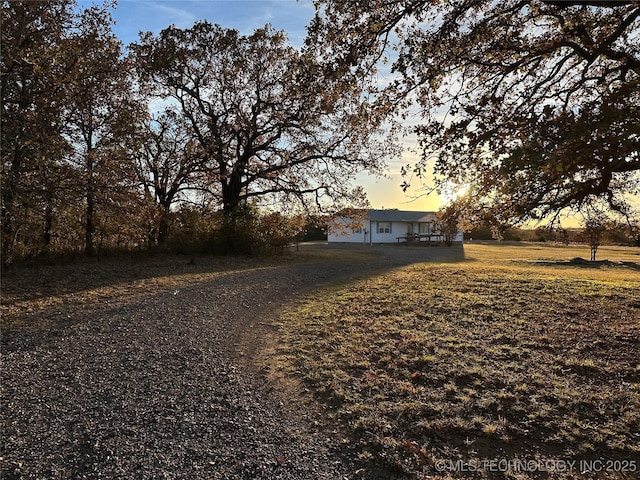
[132,16]
[292,16]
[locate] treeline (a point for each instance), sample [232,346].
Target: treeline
[197,137]
[613,233]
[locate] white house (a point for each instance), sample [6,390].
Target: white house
[389,226]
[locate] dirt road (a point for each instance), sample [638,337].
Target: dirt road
[163,384]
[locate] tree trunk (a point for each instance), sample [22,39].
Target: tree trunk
[90,228]
[163,226]
[231,192]
[8,233]
[8,205]
[48,224]
[231,196]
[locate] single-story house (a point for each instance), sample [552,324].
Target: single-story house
[389,226]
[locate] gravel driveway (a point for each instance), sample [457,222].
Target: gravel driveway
[164,386]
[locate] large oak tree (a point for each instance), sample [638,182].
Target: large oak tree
[269,122]
[534,104]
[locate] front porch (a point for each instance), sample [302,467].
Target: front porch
[426,239]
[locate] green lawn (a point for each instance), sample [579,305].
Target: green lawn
[514,353]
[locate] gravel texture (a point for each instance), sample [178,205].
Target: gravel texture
[165,385]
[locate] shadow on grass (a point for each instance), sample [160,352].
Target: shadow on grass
[88,281]
[470,363]
[30,282]
[583,263]
[393,253]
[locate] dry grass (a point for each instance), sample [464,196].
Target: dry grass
[513,353]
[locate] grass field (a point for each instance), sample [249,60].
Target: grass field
[515,353]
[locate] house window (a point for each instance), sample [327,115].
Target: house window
[425,228]
[384,227]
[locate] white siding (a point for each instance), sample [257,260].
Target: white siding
[372,232]
[346,234]
[398,229]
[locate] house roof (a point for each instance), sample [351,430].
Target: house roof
[399,216]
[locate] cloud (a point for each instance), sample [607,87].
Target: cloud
[169,11]
[132,16]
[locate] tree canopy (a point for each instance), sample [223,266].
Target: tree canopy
[168,164]
[107,148]
[268,123]
[31,97]
[534,105]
